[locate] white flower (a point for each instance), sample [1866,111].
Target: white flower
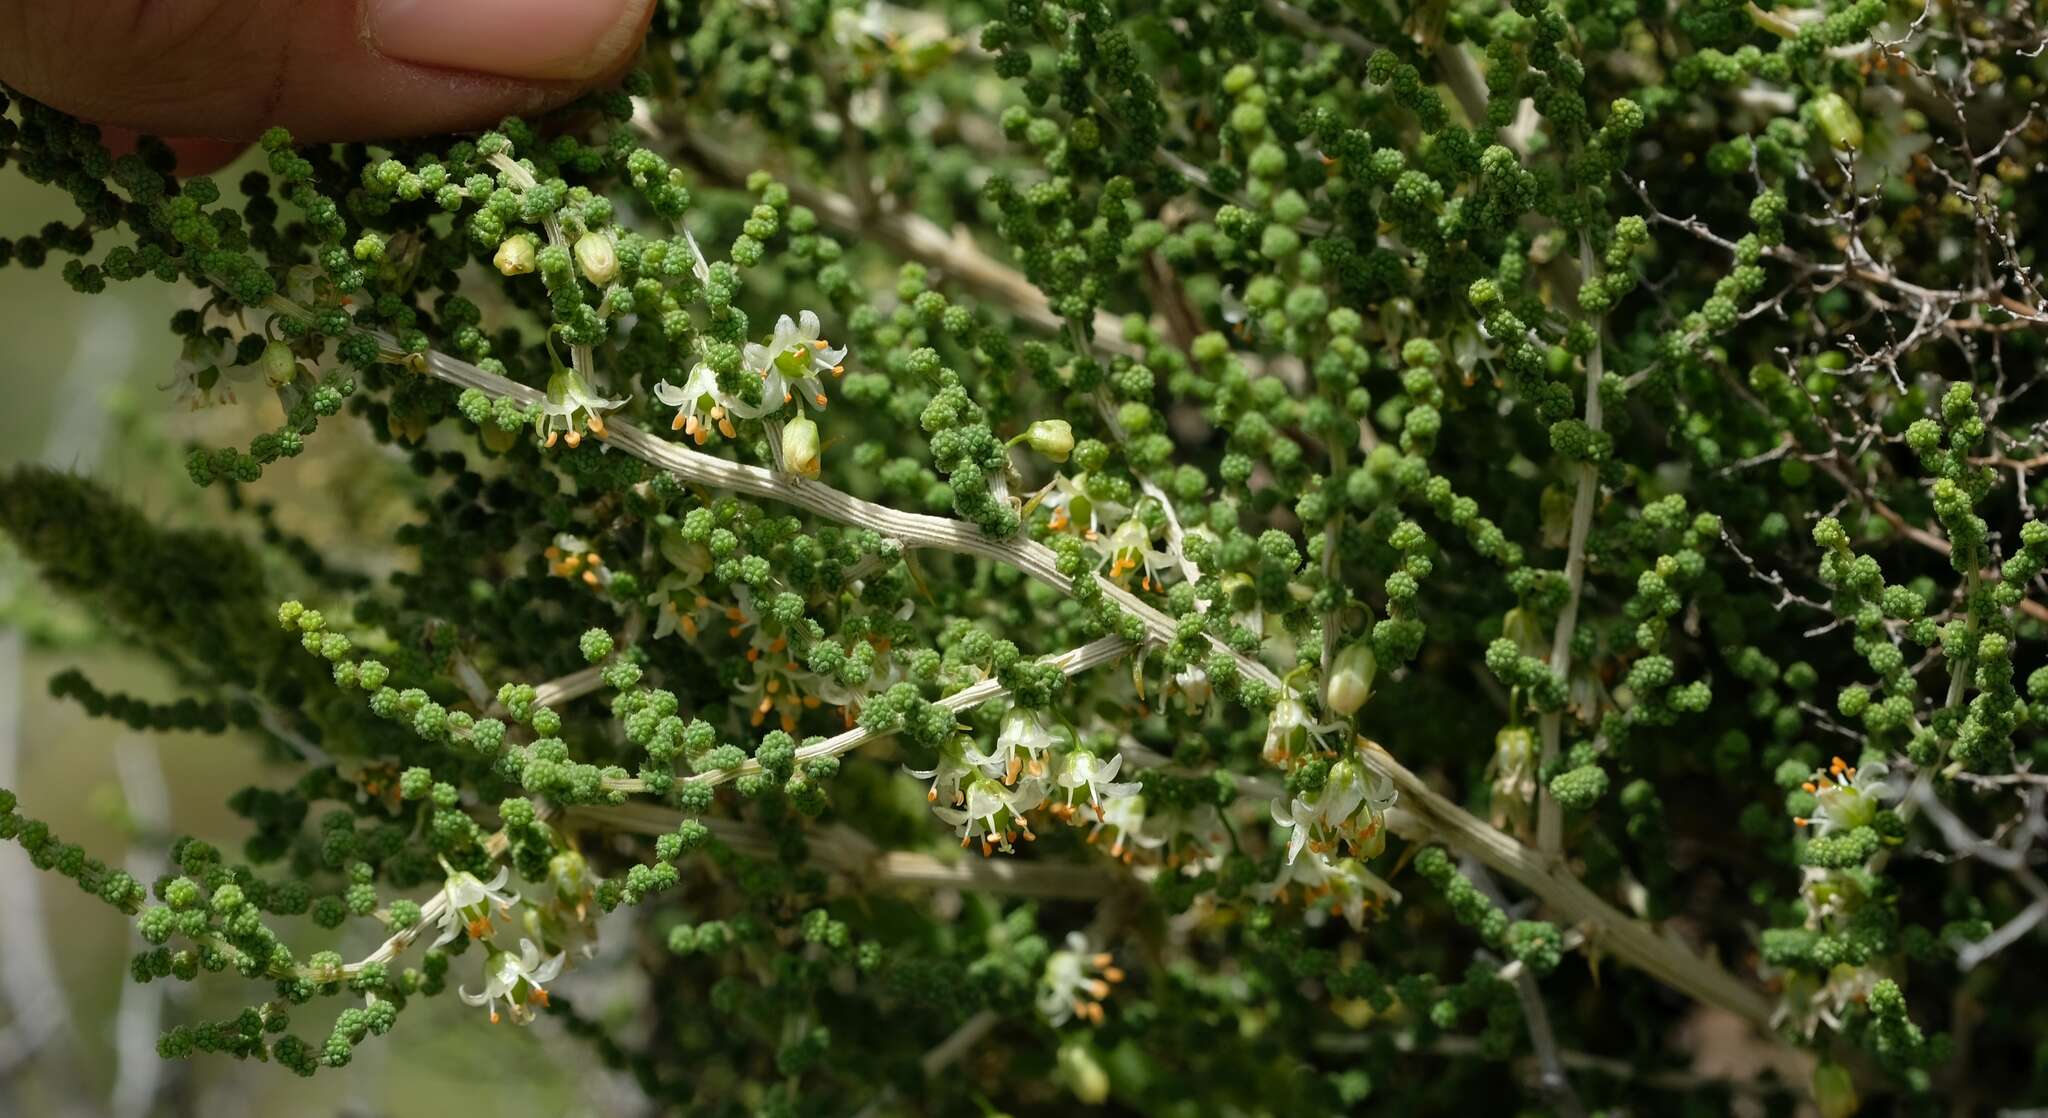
[993,813]
[1070,503]
[793,359]
[1807,1002]
[204,374]
[517,980]
[572,406]
[1514,776]
[1847,797]
[1288,730]
[570,557]
[701,385]
[469,902]
[1125,817]
[1075,982]
[947,775]
[1130,548]
[1351,805]
[1079,769]
[1020,745]
[1329,887]
[1193,684]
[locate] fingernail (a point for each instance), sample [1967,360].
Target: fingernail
[543,40]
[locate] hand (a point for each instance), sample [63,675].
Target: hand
[211,75]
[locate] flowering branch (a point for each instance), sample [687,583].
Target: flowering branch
[1628,939]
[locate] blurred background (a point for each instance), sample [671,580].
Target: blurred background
[81,378]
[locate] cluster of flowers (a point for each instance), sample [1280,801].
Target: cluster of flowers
[518,980]
[989,795]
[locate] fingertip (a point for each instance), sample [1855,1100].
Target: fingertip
[530,40]
[195,155]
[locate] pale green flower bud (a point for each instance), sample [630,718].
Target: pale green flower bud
[1083,1074]
[800,447]
[517,255]
[1834,1092]
[1351,676]
[1053,438]
[1838,121]
[280,364]
[598,259]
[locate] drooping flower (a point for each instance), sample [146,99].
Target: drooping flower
[205,373]
[698,390]
[1020,746]
[1350,806]
[1193,684]
[469,901]
[995,814]
[1514,776]
[520,981]
[1289,730]
[571,408]
[1081,770]
[1328,887]
[1076,982]
[951,771]
[794,359]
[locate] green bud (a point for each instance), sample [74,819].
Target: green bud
[280,364]
[1351,676]
[1834,1091]
[1838,121]
[517,255]
[800,450]
[598,259]
[1083,1074]
[1053,438]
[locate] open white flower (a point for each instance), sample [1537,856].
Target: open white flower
[1289,730]
[1129,549]
[995,814]
[699,393]
[1847,797]
[1081,770]
[1075,982]
[1020,746]
[947,775]
[517,980]
[793,360]
[1351,805]
[571,408]
[469,902]
[205,374]
[1328,887]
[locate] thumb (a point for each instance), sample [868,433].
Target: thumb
[325,69]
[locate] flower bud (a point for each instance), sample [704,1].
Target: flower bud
[1834,1092]
[497,438]
[280,364]
[597,258]
[517,255]
[1351,676]
[800,447]
[1084,1075]
[1053,438]
[1838,121]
